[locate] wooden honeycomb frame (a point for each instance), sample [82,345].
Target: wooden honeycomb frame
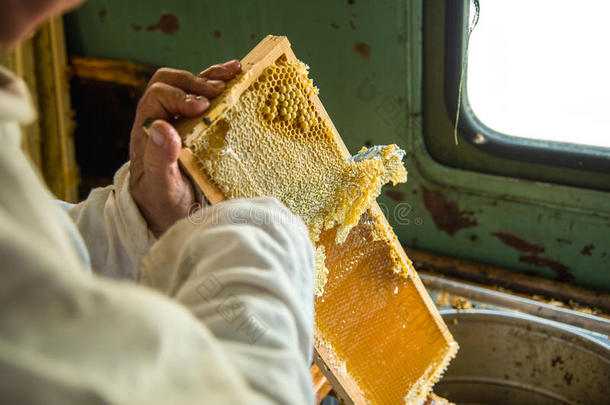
[262,56]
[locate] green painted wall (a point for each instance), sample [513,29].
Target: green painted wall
[367,59]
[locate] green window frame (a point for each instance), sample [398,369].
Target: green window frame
[480,147]
[529,215]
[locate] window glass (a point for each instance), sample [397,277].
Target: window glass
[541,69]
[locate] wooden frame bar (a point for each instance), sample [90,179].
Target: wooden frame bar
[263,55]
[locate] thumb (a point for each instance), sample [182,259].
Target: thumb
[164,194]
[162,149]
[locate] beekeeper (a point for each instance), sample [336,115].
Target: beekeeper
[125,298]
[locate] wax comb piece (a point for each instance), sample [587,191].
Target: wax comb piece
[378,336]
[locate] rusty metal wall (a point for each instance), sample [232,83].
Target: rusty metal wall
[367,58]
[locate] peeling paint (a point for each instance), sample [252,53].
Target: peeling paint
[363,50]
[352,24]
[217,34]
[556,360]
[586,251]
[168,24]
[523,246]
[136,27]
[335,26]
[446,213]
[562,271]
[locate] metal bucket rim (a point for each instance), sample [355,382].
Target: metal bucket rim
[552,328]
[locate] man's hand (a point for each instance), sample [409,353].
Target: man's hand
[163,194]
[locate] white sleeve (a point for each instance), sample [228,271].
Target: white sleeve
[245,269]
[114,231]
[70,338]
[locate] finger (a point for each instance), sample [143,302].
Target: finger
[155,146]
[168,193]
[161,101]
[164,101]
[223,71]
[188,82]
[163,147]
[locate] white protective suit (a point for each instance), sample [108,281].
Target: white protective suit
[219,310]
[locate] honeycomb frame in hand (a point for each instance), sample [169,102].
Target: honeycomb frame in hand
[378,336]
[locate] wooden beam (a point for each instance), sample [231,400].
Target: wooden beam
[320,383]
[56,125]
[120,72]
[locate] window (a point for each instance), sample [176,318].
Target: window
[539,69]
[563,208]
[498,136]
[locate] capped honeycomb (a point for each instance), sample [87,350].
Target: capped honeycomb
[376,330]
[290,153]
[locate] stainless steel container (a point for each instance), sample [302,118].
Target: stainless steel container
[513,358]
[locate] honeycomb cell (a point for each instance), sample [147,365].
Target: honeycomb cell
[391,303]
[370,307]
[275,121]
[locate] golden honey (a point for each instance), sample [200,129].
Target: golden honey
[274,143]
[375,326]
[375,320]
